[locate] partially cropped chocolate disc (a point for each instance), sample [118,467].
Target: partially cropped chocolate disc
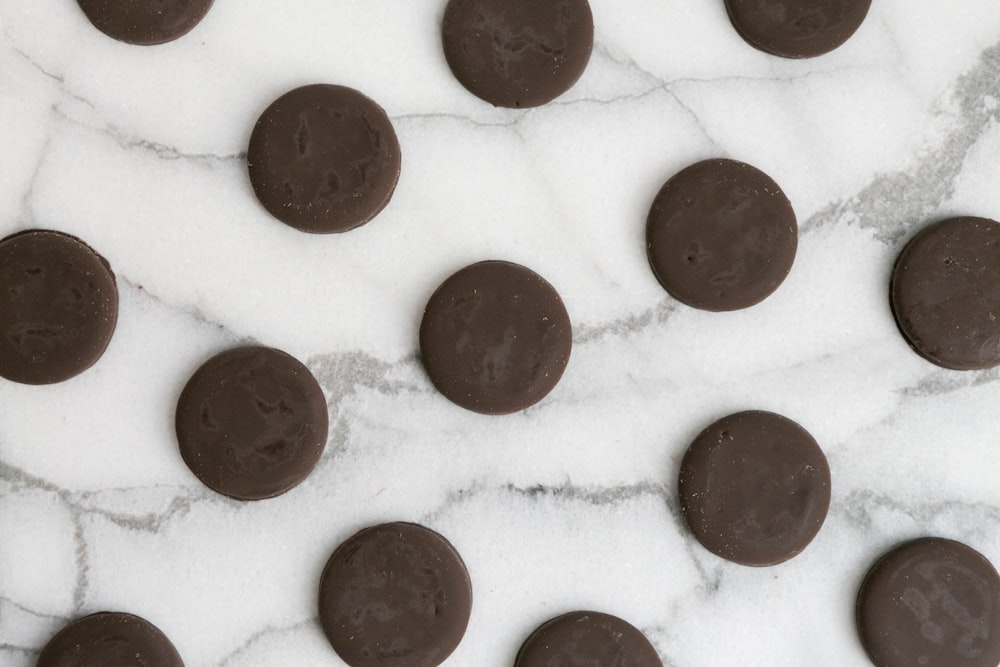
[395,595]
[518,53]
[495,337]
[721,235]
[931,602]
[587,639]
[145,22]
[945,293]
[252,423]
[58,307]
[324,159]
[755,488]
[797,28]
[110,639]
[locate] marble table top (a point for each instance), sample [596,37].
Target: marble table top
[572,503]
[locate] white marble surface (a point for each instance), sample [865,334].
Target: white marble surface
[571,504]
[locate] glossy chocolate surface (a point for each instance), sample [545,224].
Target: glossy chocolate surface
[587,639]
[145,22]
[110,639]
[797,28]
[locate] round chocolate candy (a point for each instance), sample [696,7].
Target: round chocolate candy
[518,53]
[945,293]
[145,22]
[252,423]
[324,159]
[755,488]
[587,639]
[395,594]
[931,602]
[797,28]
[495,338]
[110,638]
[721,235]
[58,307]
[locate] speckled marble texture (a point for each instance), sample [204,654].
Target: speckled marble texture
[572,503]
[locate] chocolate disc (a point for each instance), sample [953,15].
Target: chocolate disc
[145,22]
[931,602]
[252,423]
[587,639]
[396,594]
[324,159]
[495,338]
[58,307]
[110,639]
[518,53]
[755,488]
[797,28]
[945,293]
[721,235]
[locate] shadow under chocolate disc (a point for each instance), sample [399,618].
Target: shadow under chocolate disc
[110,639]
[324,159]
[754,488]
[945,293]
[395,595]
[587,639]
[518,53]
[931,602]
[721,235]
[495,338]
[252,423]
[797,28]
[58,307]
[145,22]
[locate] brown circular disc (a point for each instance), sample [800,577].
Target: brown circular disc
[324,159]
[397,595]
[110,639]
[931,602]
[145,22]
[721,235]
[495,338]
[252,423]
[587,639]
[518,53]
[58,307]
[797,28]
[945,293]
[755,488]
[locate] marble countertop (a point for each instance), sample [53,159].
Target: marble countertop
[572,503]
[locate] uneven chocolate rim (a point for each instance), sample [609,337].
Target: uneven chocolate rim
[791,56]
[561,617]
[154,631]
[158,42]
[892,554]
[388,526]
[113,317]
[197,374]
[904,254]
[390,191]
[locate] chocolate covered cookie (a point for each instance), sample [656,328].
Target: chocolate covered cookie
[754,488]
[145,22]
[518,53]
[495,337]
[58,307]
[110,639]
[324,159]
[252,423]
[721,235]
[797,28]
[587,639]
[397,595]
[931,602]
[945,293]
